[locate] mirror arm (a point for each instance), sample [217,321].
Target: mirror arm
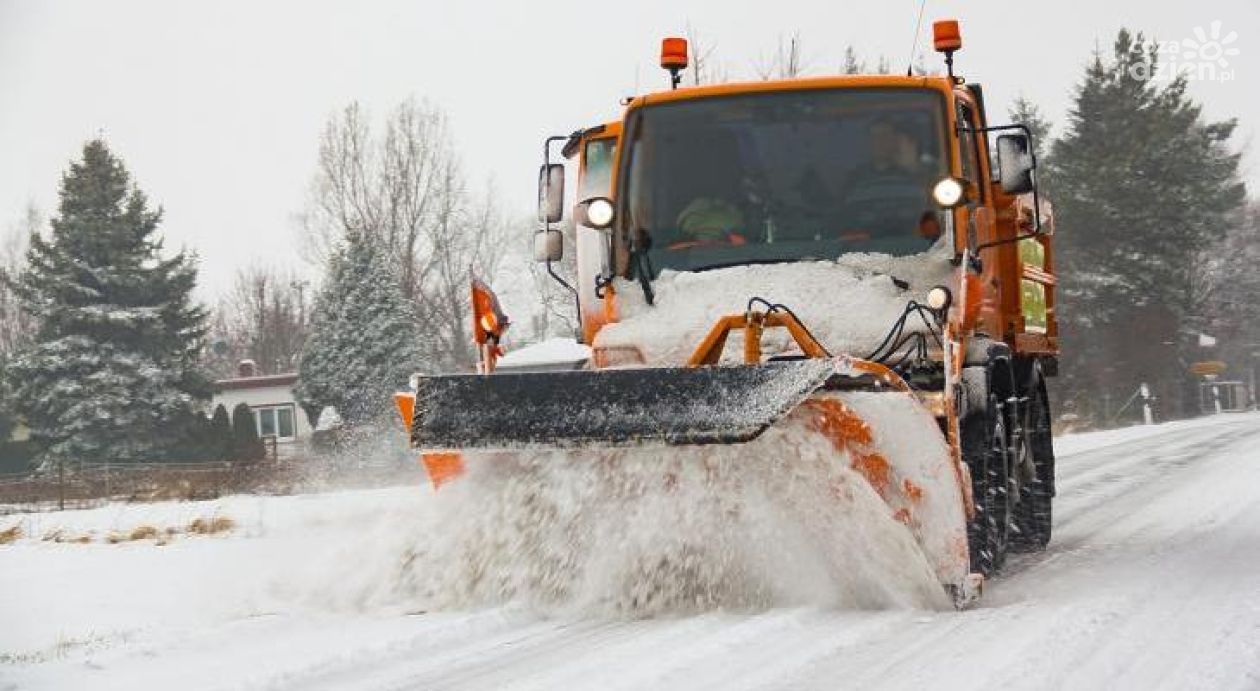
[1006,241]
[1036,194]
[1032,154]
[577,301]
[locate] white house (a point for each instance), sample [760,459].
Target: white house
[270,398]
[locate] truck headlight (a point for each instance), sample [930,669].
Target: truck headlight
[599,213]
[949,192]
[939,298]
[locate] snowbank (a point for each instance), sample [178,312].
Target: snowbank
[1081,442]
[69,596]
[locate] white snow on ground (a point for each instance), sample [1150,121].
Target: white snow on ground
[1151,582]
[849,304]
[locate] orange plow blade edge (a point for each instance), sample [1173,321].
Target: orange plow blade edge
[441,466]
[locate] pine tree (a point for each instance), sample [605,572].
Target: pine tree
[113,365]
[1025,112]
[246,446]
[1142,188]
[8,418]
[364,341]
[1229,288]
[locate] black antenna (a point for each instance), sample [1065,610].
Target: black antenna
[918,28]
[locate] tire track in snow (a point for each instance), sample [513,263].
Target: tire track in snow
[1096,482]
[408,669]
[1039,628]
[1154,553]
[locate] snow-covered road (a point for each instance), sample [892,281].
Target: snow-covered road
[1152,581]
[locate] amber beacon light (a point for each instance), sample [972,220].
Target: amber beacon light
[945,36]
[674,58]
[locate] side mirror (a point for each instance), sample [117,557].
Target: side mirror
[1015,163]
[548,246]
[551,193]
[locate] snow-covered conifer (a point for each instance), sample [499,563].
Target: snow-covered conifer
[113,362]
[364,340]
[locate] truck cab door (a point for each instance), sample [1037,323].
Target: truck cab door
[597,164]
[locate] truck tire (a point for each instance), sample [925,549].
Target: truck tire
[1034,514]
[985,441]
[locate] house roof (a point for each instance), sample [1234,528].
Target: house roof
[261,382]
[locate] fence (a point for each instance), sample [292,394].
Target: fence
[89,485]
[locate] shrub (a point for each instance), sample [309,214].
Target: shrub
[246,446]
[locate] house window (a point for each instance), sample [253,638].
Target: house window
[276,421]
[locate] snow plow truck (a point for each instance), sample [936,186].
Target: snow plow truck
[874,252]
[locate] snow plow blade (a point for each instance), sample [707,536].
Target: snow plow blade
[674,406]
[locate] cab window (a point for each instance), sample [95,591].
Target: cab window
[967,145]
[597,160]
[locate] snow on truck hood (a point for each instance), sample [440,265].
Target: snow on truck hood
[848,304]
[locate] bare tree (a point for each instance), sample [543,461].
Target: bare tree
[855,64]
[784,63]
[1224,283]
[466,238]
[265,318]
[342,195]
[852,63]
[16,326]
[225,348]
[558,313]
[406,189]
[704,67]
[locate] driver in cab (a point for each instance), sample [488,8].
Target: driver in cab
[889,192]
[708,221]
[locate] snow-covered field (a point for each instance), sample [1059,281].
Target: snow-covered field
[1152,581]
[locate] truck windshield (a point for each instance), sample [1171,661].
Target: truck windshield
[786,176]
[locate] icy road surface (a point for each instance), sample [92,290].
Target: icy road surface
[1152,581]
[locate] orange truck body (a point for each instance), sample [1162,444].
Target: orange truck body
[995,338]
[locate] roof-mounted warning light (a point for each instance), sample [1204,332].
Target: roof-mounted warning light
[674,58]
[947,38]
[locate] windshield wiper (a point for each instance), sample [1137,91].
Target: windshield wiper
[643,271]
[638,256]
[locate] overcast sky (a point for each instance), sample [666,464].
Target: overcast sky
[216,107]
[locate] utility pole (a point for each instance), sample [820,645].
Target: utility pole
[259,344]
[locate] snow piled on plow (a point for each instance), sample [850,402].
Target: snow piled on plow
[849,304]
[781,521]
